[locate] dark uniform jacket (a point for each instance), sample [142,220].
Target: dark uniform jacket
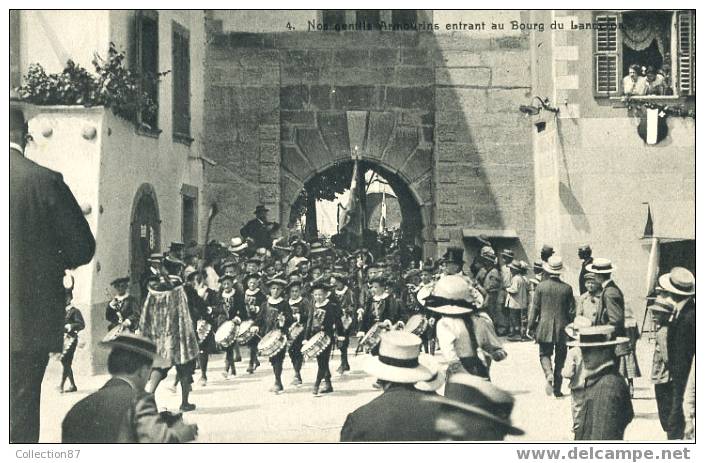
[552,310]
[607,407]
[117,413]
[399,414]
[346,302]
[269,317]
[611,310]
[257,231]
[380,310]
[128,308]
[326,318]
[253,306]
[681,349]
[74,318]
[232,306]
[48,234]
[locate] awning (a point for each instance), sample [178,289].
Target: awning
[670,220]
[490,233]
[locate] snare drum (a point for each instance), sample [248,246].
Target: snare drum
[69,342]
[373,336]
[113,333]
[226,334]
[245,333]
[296,330]
[271,343]
[203,328]
[314,346]
[417,324]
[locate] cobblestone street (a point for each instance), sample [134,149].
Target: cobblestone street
[242,409]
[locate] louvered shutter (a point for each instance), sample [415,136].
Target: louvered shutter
[606,53]
[686,53]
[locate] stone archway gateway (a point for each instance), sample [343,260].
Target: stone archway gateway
[380,140]
[145,232]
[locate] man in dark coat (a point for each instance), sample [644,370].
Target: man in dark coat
[584,254]
[611,309]
[553,308]
[400,413]
[48,234]
[607,407]
[679,284]
[123,309]
[121,411]
[257,229]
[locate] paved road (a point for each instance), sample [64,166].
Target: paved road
[242,409]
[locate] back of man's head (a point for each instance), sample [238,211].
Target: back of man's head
[18,127]
[125,362]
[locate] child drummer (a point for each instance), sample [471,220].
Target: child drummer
[276,315]
[254,299]
[326,317]
[301,307]
[343,296]
[233,308]
[73,323]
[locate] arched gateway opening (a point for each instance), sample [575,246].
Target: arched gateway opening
[324,148]
[391,208]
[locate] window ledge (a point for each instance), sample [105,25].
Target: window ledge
[147,131]
[182,138]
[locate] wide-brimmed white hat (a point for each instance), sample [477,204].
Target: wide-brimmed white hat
[437,380]
[600,265]
[237,245]
[662,304]
[451,296]
[597,336]
[573,328]
[554,265]
[478,396]
[679,281]
[398,359]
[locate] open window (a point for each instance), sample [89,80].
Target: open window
[628,44]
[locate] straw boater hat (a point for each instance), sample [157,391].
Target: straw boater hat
[538,265]
[237,245]
[516,265]
[276,281]
[155,258]
[320,283]
[679,281]
[294,280]
[398,359]
[600,265]
[576,325]
[554,265]
[250,276]
[317,248]
[451,296]
[137,344]
[437,380]
[662,304]
[597,336]
[508,253]
[480,397]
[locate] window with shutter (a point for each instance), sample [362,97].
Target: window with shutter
[181,90]
[686,53]
[145,60]
[606,55]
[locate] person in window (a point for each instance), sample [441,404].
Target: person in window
[665,74]
[634,83]
[654,82]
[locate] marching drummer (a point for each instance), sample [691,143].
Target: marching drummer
[123,309]
[425,288]
[206,325]
[300,309]
[254,299]
[326,318]
[343,296]
[276,315]
[73,323]
[232,308]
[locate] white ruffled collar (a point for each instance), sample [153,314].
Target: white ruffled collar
[274,301]
[249,292]
[342,291]
[322,304]
[228,293]
[380,297]
[295,301]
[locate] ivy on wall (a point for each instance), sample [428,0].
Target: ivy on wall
[112,85]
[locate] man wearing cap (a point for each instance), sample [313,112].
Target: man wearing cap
[400,413]
[517,301]
[553,309]
[232,308]
[48,235]
[546,252]
[661,311]
[301,307]
[123,309]
[589,301]
[257,229]
[585,255]
[343,296]
[607,409]
[492,285]
[276,315]
[454,266]
[474,410]
[679,286]
[121,411]
[506,275]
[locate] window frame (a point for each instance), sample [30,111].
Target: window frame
[138,66]
[179,32]
[674,61]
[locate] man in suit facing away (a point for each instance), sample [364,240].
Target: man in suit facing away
[48,234]
[553,308]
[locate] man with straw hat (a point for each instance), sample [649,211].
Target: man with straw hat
[574,371]
[679,286]
[399,413]
[661,312]
[607,409]
[611,309]
[474,410]
[121,411]
[553,308]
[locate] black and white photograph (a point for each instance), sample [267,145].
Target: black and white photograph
[334,226]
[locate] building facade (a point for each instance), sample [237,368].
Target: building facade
[274,98]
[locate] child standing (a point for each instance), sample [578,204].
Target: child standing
[574,371]
[73,323]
